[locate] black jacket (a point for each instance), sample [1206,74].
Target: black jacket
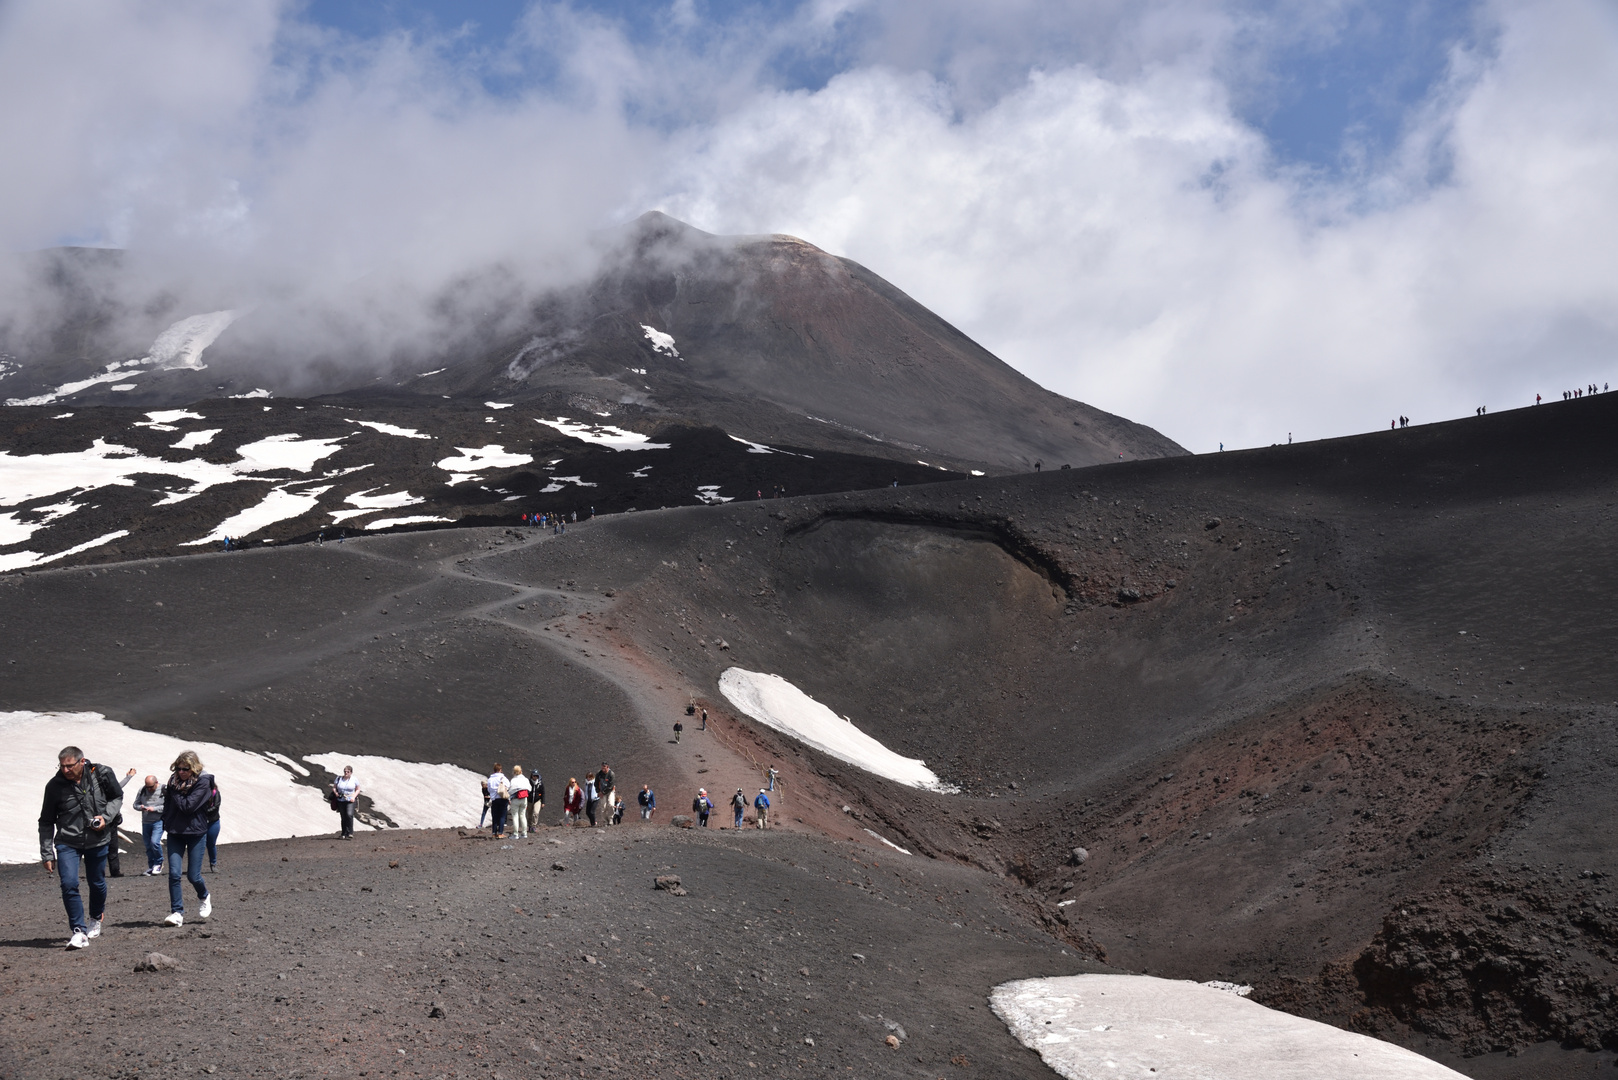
[69,807]
[185,813]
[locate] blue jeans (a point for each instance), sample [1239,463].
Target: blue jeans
[152,835]
[188,848]
[213,844]
[95,868]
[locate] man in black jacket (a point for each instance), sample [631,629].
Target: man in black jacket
[75,822]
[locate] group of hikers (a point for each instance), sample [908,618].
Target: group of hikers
[512,804]
[78,831]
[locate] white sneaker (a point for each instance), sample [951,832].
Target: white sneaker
[174,919]
[207,907]
[78,940]
[95,929]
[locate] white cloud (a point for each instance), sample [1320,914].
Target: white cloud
[1075,188]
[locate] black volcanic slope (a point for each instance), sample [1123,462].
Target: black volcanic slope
[773,340]
[1333,719]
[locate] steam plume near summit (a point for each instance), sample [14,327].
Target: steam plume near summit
[1090,190]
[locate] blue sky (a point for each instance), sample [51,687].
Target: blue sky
[1332,92]
[1229,219]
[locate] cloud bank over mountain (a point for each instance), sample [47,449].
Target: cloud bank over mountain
[1099,193]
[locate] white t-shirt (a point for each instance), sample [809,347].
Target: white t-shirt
[496,779]
[346,787]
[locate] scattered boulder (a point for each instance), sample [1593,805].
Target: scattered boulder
[668,883]
[156,961]
[1080,856]
[682,821]
[558,866]
[1128,595]
[892,1041]
[1213,523]
[436,1013]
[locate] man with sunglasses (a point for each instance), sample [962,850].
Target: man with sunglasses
[75,823]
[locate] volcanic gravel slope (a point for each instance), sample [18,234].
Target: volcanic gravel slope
[1240,682]
[431,955]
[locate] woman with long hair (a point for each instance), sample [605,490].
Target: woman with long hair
[185,820]
[572,802]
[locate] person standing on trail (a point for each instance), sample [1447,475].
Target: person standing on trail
[536,800]
[113,867]
[704,720]
[572,802]
[483,790]
[592,799]
[761,803]
[702,806]
[605,789]
[347,791]
[520,791]
[149,801]
[678,727]
[774,772]
[648,801]
[738,804]
[74,820]
[499,801]
[185,819]
[213,829]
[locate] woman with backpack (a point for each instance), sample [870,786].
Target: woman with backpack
[185,820]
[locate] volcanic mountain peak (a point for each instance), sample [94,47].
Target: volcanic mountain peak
[766,336]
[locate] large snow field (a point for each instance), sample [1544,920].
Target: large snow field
[602,434]
[1091,1026]
[776,703]
[473,460]
[370,504]
[260,798]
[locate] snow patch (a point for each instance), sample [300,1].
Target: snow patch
[760,448]
[192,440]
[602,434]
[181,345]
[259,393]
[661,342]
[279,505]
[413,794]
[977,472]
[434,371]
[473,460]
[164,419]
[19,560]
[262,798]
[122,386]
[286,452]
[886,841]
[420,519]
[370,504]
[497,404]
[776,703]
[557,482]
[709,494]
[1091,1026]
[389,429]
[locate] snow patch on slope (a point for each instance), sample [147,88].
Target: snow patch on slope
[1091,1026]
[661,342]
[776,703]
[603,434]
